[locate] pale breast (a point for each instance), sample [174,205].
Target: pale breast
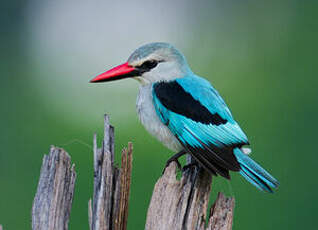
[150,120]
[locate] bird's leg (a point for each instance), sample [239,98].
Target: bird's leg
[190,165]
[175,158]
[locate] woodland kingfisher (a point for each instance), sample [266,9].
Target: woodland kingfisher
[186,113]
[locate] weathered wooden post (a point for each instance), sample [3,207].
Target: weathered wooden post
[175,204]
[53,200]
[109,208]
[183,204]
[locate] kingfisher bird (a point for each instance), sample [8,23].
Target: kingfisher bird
[186,113]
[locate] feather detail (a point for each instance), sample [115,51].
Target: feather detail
[254,173]
[246,150]
[208,138]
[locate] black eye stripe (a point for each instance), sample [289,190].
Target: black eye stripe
[147,66]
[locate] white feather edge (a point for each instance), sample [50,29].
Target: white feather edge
[246,150]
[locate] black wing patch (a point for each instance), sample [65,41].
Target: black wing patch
[177,100]
[215,159]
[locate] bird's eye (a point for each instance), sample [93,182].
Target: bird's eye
[148,65]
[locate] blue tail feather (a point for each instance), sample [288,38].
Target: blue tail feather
[254,173]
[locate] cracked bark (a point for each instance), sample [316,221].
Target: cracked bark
[183,204]
[53,200]
[175,204]
[109,208]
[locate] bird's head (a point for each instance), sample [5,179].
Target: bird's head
[154,62]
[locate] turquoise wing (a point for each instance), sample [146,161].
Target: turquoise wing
[197,115]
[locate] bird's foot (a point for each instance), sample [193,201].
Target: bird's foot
[175,159]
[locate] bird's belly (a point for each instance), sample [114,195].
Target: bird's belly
[150,120]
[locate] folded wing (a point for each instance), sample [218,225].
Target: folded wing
[197,115]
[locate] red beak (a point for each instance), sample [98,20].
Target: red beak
[119,72]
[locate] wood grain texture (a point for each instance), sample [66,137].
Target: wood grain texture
[53,200]
[109,208]
[175,204]
[183,204]
[221,213]
[179,204]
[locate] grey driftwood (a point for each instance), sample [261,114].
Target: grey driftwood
[183,204]
[53,200]
[175,204]
[109,208]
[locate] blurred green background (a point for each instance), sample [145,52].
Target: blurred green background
[260,55]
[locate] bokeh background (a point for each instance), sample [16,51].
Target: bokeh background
[260,55]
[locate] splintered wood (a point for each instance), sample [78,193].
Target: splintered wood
[175,204]
[183,204]
[221,213]
[109,208]
[53,200]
